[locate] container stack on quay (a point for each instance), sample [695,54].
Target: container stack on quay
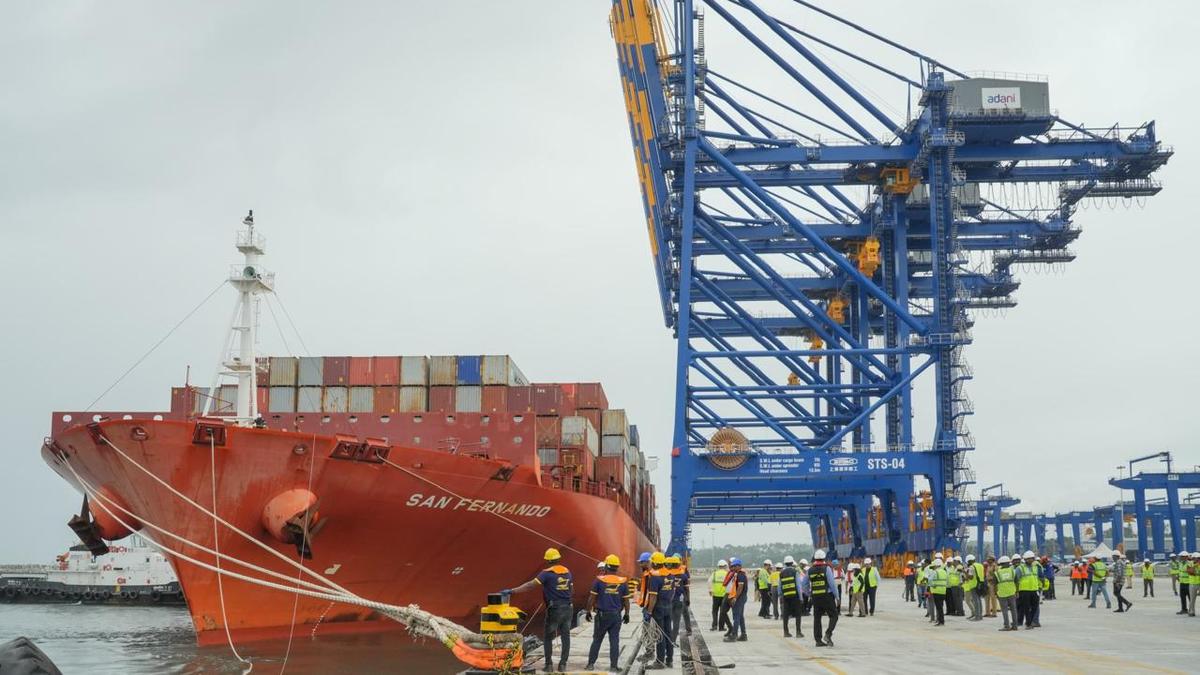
[480,405]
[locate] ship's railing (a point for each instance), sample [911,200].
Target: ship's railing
[573,483]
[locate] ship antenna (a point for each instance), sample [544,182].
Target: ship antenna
[250,280]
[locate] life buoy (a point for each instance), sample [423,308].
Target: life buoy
[120,581]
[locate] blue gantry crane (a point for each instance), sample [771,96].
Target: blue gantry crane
[827,210]
[1168,509]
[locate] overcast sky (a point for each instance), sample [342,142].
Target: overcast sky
[456,177]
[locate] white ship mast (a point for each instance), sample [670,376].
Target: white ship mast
[250,280]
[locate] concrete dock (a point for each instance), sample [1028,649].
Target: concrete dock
[1073,639]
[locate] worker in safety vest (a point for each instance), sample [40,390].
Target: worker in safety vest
[683,598]
[716,591]
[1049,569]
[938,579]
[557,588]
[610,598]
[910,581]
[974,586]
[762,579]
[1118,580]
[1029,582]
[644,581]
[821,584]
[659,599]
[1147,578]
[1099,576]
[1005,580]
[1189,581]
[1128,571]
[854,580]
[1078,577]
[789,595]
[773,582]
[954,588]
[921,583]
[737,590]
[1173,568]
[870,584]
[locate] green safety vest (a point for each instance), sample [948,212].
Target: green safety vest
[1147,571]
[970,584]
[872,577]
[1173,568]
[1189,578]
[1099,571]
[718,583]
[1128,569]
[762,579]
[1029,579]
[955,577]
[856,586]
[787,582]
[921,581]
[1006,585]
[938,578]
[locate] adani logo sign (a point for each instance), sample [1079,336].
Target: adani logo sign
[1000,98]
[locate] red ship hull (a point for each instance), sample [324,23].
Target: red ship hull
[437,535]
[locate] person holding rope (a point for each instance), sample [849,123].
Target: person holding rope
[660,597]
[557,588]
[609,596]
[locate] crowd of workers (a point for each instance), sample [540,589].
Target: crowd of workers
[1013,588]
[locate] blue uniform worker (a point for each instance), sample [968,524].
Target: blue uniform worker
[557,588]
[610,598]
[660,597]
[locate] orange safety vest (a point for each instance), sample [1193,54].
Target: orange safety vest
[1078,573]
[645,587]
[908,571]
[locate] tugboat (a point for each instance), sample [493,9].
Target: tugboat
[133,573]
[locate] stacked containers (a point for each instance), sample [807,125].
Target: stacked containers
[335,372]
[590,403]
[414,383]
[612,468]
[310,380]
[579,446]
[468,389]
[443,377]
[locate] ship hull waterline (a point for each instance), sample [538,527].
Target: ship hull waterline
[437,534]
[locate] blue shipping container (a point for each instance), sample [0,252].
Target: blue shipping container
[468,371]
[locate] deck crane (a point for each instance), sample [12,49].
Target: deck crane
[805,157]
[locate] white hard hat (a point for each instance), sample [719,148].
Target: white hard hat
[853,566]
[867,561]
[1028,554]
[819,555]
[937,562]
[804,561]
[1184,554]
[970,558]
[789,560]
[937,557]
[1003,560]
[910,563]
[600,565]
[722,563]
[1146,560]
[767,563]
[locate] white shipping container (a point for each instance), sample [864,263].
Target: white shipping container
[200,397]
[468,399]
[226,402]
[335,400]
[414,371]
[501,370]
[548,456]
[443,370]
[615,423]
[312,371]
[362,399]
[578,432]
[614,446]
[283,371]
[281,400]
[308,399]
[413,399]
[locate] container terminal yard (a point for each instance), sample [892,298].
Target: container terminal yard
[832,217]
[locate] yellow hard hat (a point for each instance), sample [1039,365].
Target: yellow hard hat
[612,560]
[674,560]
[657,558]
[552,554]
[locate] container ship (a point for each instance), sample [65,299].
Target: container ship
[427,480]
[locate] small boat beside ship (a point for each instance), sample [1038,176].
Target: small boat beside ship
[131,573]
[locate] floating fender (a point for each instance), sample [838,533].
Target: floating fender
[10,593]
[155,596]
[284,507]
[109,527]
[21,656]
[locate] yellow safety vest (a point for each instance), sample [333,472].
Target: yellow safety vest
[1006,585]
[1147,571]
[1029,579]
[938,578]
[718,583]
[955,578]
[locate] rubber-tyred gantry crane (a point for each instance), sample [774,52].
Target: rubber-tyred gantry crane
[827,209]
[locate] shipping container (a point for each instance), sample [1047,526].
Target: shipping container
[590,395]
[362,399]
[634,440]
[336,371]
[612,471]
[262,400]
[386,370]
[467,371]
[362,371]
[577,462]
[520,399]
[308,399]
[283,371]
[495,399]
[615,423]
[262,370]
[568,398]
[443,370]
[548,431]
[468,398]
[311,369]
[578,432]
[441,399]
[547,399]
[414,371]
[593,416]
[387,400]
[200,396]
[501,370]
[414,399]
[548,457]
[226,403]
[614,446]
[335,400]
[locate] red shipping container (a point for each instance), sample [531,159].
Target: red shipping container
[495,399]
[520,399]
[548,432]
[361,371]
[336,371]
[263,395]
[568,398]
[387,400]
[582,461]
[590,396]
[547,399]
[441,399]
[386,370]
[611,470]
